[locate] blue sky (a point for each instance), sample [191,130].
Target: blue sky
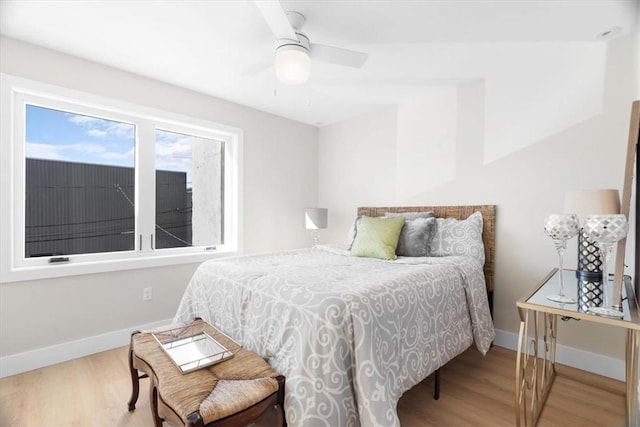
[58,135]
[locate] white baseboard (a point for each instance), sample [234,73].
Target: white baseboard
[580,359]
[34,359]
[41,357]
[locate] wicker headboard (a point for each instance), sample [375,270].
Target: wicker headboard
[459,212]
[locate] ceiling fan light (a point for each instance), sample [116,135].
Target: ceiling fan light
[293,64]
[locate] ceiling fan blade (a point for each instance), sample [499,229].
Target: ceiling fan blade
[276,19]
[336,55]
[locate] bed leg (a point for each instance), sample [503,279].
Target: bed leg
[490,298]
[436,390]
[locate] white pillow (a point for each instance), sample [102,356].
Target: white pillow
[459,237]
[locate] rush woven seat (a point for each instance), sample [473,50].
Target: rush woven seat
[234,392]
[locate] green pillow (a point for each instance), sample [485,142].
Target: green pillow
[377,237]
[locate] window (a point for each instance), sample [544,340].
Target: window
[76,174]
[79,183]
[189,190]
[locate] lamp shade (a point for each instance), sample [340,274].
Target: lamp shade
[592,202]
[315,218]
[293,64]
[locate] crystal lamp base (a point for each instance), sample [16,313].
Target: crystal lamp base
[562,299]
[607,312]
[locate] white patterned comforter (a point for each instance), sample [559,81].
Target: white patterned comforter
[350,334]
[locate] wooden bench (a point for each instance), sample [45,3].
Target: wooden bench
[234,392]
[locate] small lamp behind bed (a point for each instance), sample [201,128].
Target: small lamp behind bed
[315,219]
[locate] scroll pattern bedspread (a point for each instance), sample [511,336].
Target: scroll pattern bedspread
[350,334]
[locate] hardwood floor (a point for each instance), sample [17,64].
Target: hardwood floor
[475,391]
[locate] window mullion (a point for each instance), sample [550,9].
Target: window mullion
[145,186]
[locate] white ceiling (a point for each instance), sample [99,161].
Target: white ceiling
[207,46]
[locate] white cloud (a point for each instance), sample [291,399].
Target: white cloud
[85,152]
[173,151]
[183,165]
[97,133]
[101,128]
[84,147]
[35,150]
[121,130]
[177,149]
[83,120]
[116,155]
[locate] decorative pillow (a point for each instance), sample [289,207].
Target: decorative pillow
[459,237]
[410,215]
[377,237]
[351,234]
[415,237]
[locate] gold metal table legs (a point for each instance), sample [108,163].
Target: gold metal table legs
[631,368]
[535,368]
[535,365]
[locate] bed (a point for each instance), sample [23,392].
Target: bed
[352,334]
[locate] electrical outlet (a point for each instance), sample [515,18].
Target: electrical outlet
[147,294]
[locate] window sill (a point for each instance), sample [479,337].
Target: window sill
[48,271]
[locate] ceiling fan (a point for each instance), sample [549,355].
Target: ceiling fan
[294,51]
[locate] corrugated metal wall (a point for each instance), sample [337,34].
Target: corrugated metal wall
[173,210]
[76,208]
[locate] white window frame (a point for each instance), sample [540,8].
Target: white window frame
[16,92]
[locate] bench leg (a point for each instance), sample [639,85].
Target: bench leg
[436,391]
[153,396]
[281,385]
[135,379]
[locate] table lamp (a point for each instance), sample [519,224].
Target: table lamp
[584,203]
[606,230]
[315,219]
[589,266]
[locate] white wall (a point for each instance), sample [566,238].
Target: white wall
[580,142]
[355,157]
[280,180]
[636,54]
[368,160]
[426,130]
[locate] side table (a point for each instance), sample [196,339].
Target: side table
[538,332]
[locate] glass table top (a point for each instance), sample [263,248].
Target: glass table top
[587,292]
